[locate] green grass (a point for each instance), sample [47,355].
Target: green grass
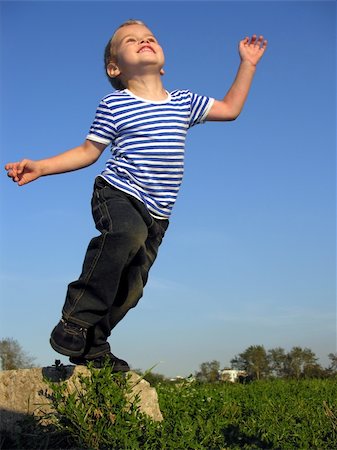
[275,414]
[264,414]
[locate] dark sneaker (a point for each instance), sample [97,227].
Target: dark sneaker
[117,364]
[68,338]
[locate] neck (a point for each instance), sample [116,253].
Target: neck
[148,87]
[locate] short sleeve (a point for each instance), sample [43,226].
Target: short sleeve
[103,128]
[200,106]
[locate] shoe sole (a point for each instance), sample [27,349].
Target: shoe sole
[64,351]
[114,366]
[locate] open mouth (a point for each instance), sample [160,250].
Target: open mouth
[146,48]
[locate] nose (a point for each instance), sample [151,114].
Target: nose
[144,41]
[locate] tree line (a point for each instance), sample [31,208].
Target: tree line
[258,363]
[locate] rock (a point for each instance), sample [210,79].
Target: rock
[24,392]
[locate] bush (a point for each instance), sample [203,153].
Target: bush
[100,412]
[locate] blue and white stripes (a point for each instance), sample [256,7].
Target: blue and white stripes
[147,143]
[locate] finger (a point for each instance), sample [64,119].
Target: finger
[9,166]
[253,40]
[244,41]
[11,171]
[13,176]
[22,165]
[25,179]
[260,41]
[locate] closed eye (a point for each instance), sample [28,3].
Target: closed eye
[132,39]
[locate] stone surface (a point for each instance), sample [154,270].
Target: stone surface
[22,392]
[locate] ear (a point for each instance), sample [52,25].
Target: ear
[113,70]
[162,71]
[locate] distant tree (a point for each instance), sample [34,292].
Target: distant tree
[314,371]
[13,356]
[277,359]
[254,361]
[154,378]
[209,372]
[333,362]
[238,363]
[298,361]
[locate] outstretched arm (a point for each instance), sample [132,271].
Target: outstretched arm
[251,51]
[84,155]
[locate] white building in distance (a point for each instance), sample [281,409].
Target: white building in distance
[231,375]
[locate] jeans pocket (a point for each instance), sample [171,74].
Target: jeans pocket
[100,211]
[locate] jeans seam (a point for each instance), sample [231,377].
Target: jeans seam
[87,278]
[107,214]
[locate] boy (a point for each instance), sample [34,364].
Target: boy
[133,197]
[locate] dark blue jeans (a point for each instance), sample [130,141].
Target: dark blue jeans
[115,267]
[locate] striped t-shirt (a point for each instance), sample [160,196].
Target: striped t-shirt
[147,143]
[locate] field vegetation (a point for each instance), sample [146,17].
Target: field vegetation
[272,413]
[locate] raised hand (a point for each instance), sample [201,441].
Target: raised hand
[252,49]
[23,172]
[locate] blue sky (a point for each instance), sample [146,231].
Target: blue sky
[249,258]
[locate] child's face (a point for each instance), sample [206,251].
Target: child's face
[135,51]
